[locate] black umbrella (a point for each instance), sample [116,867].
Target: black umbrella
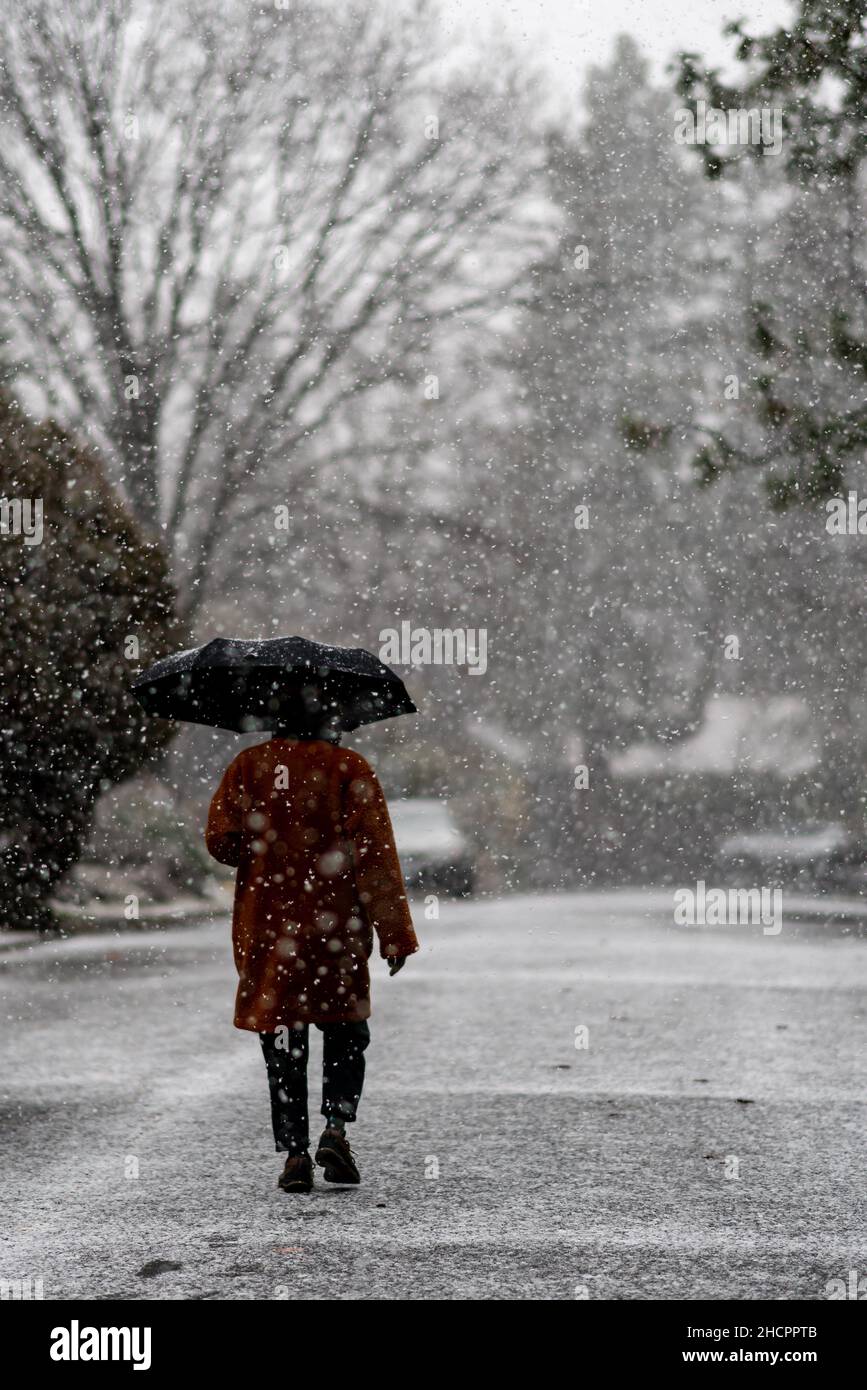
[284,684]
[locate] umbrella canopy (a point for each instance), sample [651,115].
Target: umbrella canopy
[284,684]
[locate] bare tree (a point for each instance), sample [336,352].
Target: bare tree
[220,225]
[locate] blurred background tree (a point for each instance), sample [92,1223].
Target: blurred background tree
[221,226]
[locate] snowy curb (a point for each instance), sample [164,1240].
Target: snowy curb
[108,919]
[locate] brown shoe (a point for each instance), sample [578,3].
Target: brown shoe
[335,1156]
[297,1175]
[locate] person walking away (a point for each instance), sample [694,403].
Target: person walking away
[306,824]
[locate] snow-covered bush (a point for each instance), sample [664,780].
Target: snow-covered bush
[86,602]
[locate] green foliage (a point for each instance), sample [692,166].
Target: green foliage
[69,607]
[812,347]
[816,67]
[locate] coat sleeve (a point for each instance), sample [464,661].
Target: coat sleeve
[378,875]
[224,832]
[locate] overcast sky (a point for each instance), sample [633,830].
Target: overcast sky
[570,34]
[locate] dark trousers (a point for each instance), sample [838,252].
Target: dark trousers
[286,1055]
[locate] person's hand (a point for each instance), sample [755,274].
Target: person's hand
[396,963]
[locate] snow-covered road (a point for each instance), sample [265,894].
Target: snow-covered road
[708,1142]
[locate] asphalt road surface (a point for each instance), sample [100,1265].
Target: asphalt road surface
[568,1097]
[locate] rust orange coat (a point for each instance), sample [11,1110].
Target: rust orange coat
[307,826]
